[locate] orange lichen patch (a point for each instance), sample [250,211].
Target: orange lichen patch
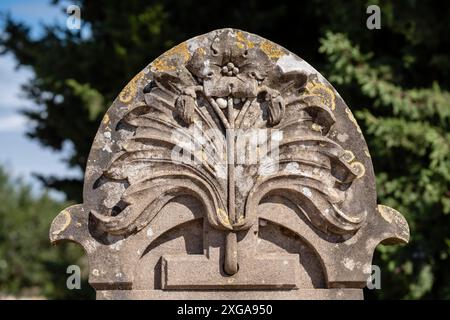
[272,50]
[325,93]
[181,50]
[201,51]
[352,119]
[161,64]
[129,92]
[167,62]
[242,41]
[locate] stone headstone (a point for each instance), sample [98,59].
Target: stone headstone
[229,168]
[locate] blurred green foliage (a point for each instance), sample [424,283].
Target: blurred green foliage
[29,266]
[396,81]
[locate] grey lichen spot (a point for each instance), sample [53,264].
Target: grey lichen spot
[267,167]
[292,167]
[107,148]
[342,137]
[116,246]
[90,245]
[289,63]
[222,103]
[307,192]
[367,268]
[115,191]
[349,263]
[107,142]
[149,233]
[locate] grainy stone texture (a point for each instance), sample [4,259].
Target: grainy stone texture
[229,168]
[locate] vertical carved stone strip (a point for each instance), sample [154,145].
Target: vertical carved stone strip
[231,254]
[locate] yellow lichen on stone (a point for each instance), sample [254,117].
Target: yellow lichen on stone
[352,119]
[242,41]
[130,90]
[359,168]
[394,218]
[325,93]
[201,51]
[272,50]
[202,156]
[386,212]
[105,119]
[161,64]
[316,127]
[223,218]
[62,225]
[348,156]
[241,219]
[167,61]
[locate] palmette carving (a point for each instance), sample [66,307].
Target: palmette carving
[227,89]
[229,168]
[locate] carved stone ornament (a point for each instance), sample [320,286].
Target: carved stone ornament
[229,168]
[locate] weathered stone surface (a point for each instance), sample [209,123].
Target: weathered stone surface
[229,168]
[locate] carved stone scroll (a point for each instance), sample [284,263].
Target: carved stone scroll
[229,168]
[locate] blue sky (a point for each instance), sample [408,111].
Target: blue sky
[19,154]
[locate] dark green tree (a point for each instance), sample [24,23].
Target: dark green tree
[407,131]
[394,79]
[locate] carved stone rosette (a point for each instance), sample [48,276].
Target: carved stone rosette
[229,168]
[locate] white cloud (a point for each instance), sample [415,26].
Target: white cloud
[13,123]
[10,81]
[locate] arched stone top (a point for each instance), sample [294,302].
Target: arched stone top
[261,65]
